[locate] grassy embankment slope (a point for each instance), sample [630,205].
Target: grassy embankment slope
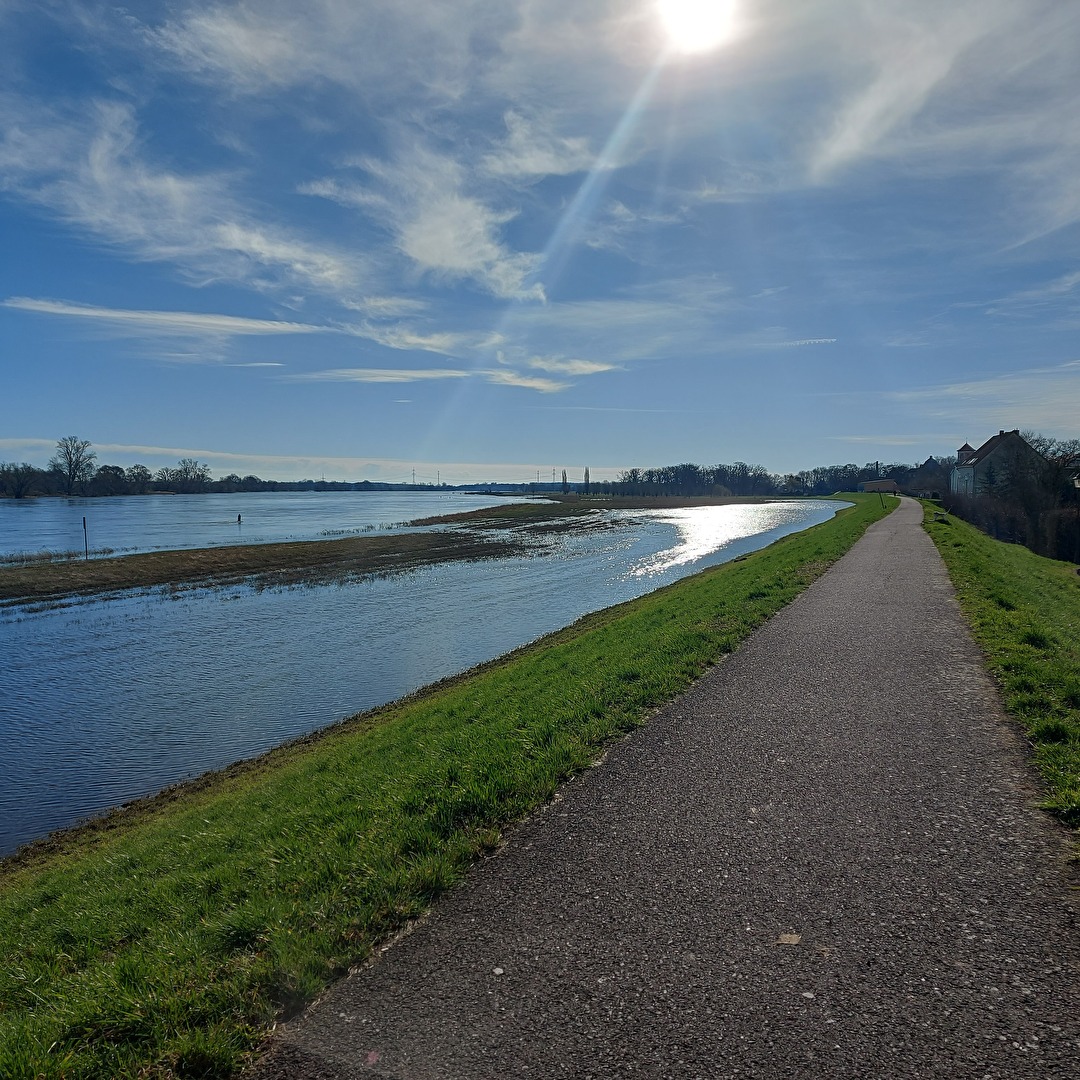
[168,941]
[1024,611]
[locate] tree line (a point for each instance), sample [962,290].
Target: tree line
[739,478]
[73,470]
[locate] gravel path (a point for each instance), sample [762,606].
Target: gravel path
[824,860]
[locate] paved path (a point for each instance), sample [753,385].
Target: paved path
[821,861]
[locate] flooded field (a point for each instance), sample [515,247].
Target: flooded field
[130,523]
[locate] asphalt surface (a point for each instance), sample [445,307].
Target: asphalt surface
[823,860]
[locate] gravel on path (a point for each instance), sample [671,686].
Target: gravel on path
[824,860]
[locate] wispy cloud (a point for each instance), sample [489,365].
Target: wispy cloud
[912,56]
[387,307]
[891,440]
[907,339]
[1061,295]
[1046,398]
[952,90]
[240,45]
[619,225]
[669,315]
[800,342]
[424,52]
[88,167]
[183,323]
[735,184]
[560,365]
[533,149]
[501,377]
[380,375]
[446,230]
[497,376]
[407,338]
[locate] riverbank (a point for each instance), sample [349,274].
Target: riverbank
[466,536]
[171,936]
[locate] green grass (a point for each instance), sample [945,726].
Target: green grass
[167,942]
[1024,611]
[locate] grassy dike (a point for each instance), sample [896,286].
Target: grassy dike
[168,943]
[1024,612]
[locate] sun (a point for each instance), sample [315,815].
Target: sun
[697,25]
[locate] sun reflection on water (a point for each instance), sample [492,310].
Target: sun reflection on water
[704,530]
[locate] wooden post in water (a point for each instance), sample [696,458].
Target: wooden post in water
[86,542]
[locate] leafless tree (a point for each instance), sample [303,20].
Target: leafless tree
[139,478]
[74,461]
[17,479]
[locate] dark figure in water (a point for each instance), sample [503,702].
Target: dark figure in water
[237,519]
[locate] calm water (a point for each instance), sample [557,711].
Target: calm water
[110,700]
[147,522]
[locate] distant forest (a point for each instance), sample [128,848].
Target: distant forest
[929,478]
[73,470]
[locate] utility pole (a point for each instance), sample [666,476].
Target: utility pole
[414,478]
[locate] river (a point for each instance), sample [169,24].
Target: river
[108,700]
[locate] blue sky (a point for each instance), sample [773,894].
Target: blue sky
[489,238]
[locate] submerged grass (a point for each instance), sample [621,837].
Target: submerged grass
[1024,611]
[262,565]
[167,944]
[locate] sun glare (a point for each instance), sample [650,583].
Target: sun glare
[697,25]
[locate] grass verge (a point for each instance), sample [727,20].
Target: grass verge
[166,945]
[1024,611]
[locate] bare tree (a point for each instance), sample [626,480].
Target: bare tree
[74,461]
[191,475]
[139,478]
[17,479]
